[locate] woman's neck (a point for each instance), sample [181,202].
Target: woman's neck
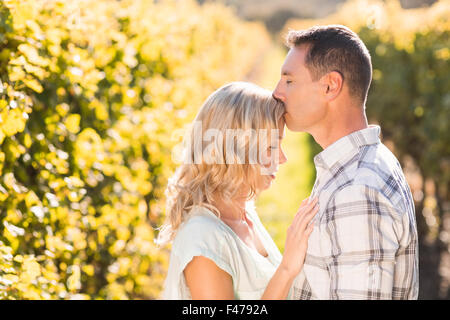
[233,212]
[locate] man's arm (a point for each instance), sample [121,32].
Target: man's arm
[362,237]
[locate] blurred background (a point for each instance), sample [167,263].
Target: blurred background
[93,95]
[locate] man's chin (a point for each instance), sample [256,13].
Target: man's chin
[293,127]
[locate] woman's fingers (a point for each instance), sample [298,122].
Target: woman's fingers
[305,218]
[300,223]
[306,205]
[305,202]
[309,216]
[308,230]
[299,226]
[308,208]
[297,237]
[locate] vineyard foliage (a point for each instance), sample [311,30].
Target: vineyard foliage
[91,94]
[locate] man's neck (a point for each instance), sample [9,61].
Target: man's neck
[331,130]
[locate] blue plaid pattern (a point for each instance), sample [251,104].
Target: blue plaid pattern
[364,244]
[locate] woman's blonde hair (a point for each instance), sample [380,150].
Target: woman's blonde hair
[235,106]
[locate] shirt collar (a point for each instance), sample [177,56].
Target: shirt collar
[347,146]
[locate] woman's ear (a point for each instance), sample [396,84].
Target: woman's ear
[332,83]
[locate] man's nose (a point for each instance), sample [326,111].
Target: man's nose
[276,94]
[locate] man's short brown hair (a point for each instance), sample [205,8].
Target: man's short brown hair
[336,48]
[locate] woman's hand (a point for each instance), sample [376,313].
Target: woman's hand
[297,237]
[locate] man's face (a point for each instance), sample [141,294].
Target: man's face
[302,97]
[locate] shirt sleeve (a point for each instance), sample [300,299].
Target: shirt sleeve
[199,237]
[362,228]
[203,238]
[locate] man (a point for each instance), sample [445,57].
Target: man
[364,243]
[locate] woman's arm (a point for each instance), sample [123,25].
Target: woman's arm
[294,252]
[279,285]
[207,281]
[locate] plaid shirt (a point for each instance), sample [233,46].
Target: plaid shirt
[364,243]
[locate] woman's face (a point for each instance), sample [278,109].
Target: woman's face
[274,157]
[270,160]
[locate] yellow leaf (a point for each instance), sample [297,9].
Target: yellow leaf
[32,54]
[27,140]
[14,122]
[16,74]
[33,84]
[62,108]
[18,258]
[73,123]
[9,180]
[20,61]
[3,104]
[37,71]
[11,278]
[34,27]
[31,199]
[3,194]
[88,269]
[73,282]
[30,270]
[2,156]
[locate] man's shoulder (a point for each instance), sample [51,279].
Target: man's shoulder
[377,166]
[378,172]
[378,158]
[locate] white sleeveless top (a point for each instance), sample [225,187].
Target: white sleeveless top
[204,234]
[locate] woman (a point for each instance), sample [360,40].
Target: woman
[220,248]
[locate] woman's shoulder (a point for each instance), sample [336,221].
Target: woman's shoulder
[201,226]
[198,217]
[202,234]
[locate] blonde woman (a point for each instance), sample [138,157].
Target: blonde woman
[220,248]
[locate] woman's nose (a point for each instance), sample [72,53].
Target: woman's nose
[283,157]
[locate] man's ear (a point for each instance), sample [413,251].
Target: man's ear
[332,83]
